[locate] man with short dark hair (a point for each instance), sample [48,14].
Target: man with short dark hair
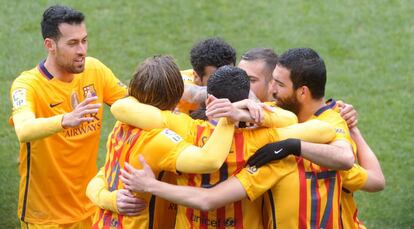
[57,116]
[208,55]
[205,57]
[259,64]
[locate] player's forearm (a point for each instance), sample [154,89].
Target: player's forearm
[194,93]
[28,128]
[368,160]
[204,199]
[330,156]
[311,131]
[212,155]
[192,197]
[99,195]
[279,118]
[134,113]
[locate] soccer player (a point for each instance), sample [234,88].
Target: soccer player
[165,150]
[57,117]
[303,193]
[259,64]
[206,57]
[368,161]
[231,83]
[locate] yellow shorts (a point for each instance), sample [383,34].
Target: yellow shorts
[84,224]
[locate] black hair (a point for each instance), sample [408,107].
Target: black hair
[56,15]
[266,54]
[211,52]
[307,68]
[229,82]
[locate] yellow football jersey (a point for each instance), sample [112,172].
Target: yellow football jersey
[304,194]
[349,209]
[241,214]
[184,106]
[55,170]
[353,180]
[160,148]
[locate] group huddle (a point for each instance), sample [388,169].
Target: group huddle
[255,145]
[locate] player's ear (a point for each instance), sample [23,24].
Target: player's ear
[197,78]
[50,45]
[303,93]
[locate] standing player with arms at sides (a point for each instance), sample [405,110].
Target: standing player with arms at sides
[165,150]
[57,116]
[231,83]
[304,194]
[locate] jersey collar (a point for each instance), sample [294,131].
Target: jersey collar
[330,104]
[44,71]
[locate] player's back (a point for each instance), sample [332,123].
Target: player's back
[125,144]
[240,214]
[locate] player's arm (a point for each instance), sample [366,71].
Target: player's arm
[250,111]
[336,155]
[212,155]
[366,157]
[28,127]
[120,201]
[129,110]
[113,89]
[368,160]
[205,199]
[194,93]
[175,154]
[288,140]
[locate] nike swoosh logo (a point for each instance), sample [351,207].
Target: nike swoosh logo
[276,152]
[52,105]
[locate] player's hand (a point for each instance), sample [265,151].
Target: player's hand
[348,113]
[221,108]
[77,116]
[256,109]
[128,204]
[275,151]
[137,180]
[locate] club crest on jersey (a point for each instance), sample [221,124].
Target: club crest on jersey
[90,89]
[172,135]
[19,97]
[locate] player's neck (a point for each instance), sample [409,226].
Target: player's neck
[57,72]
[308,109]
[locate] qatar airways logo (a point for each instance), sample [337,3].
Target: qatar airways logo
[85,128]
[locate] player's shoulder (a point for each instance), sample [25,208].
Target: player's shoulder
[29,77]
[187,75]
[93,63]
[330,113]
